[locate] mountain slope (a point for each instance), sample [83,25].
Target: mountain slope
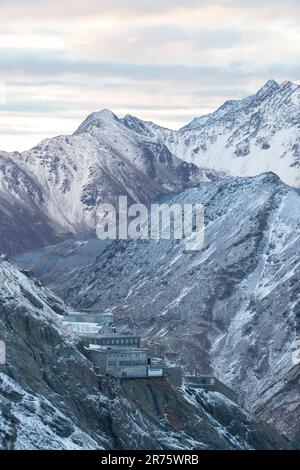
[243,138]
[23,223]
[50,397]
[54,189]
[232,308]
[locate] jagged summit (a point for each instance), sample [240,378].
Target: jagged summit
[270,85]
[231,307]
[231,106]
[104,115]
[247,137]
[58,184]
[227,107]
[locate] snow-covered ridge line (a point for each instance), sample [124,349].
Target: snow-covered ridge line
[230,309]
[54,189]
[245,137]
[50,397]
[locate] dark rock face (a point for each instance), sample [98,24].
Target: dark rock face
[23,224]
[201,419]
[243,137]
[8,426]
[231,308]
[54,189]
[281,406]
[50,397]
[24,228]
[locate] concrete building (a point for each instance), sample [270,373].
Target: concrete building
[114,354]
[112,340]
[211,383]
[125,362]
[90,323]
[156,367]
[90,317]
[120,362]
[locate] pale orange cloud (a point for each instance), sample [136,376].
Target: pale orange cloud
[164,61]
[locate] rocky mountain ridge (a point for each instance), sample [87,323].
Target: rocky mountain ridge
[51,398]
[245,137]
[54,189]
[232,308]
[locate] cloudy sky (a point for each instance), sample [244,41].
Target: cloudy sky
[163,60]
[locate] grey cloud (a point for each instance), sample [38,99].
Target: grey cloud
[204,84]
[144,5]
[72,108]
[206,39]
[77,8]
[42,106]
[21,64]
[42,63]
[49,106]
[20,131]
[18,63]
[124,85]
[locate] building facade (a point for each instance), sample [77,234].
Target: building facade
[112,340]
[121,362]
[114,354]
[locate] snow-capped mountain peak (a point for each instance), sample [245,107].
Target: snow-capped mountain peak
[58,184]
[246,137]
[269,87]
[232,106]
[94,118]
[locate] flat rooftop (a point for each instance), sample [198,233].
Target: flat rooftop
[112,335]
[106,349]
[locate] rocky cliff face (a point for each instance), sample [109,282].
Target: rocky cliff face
[54,189]
[50,397]
[23,223]
[243,137]
[232,308]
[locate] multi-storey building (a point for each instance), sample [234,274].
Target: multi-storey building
[118,355]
